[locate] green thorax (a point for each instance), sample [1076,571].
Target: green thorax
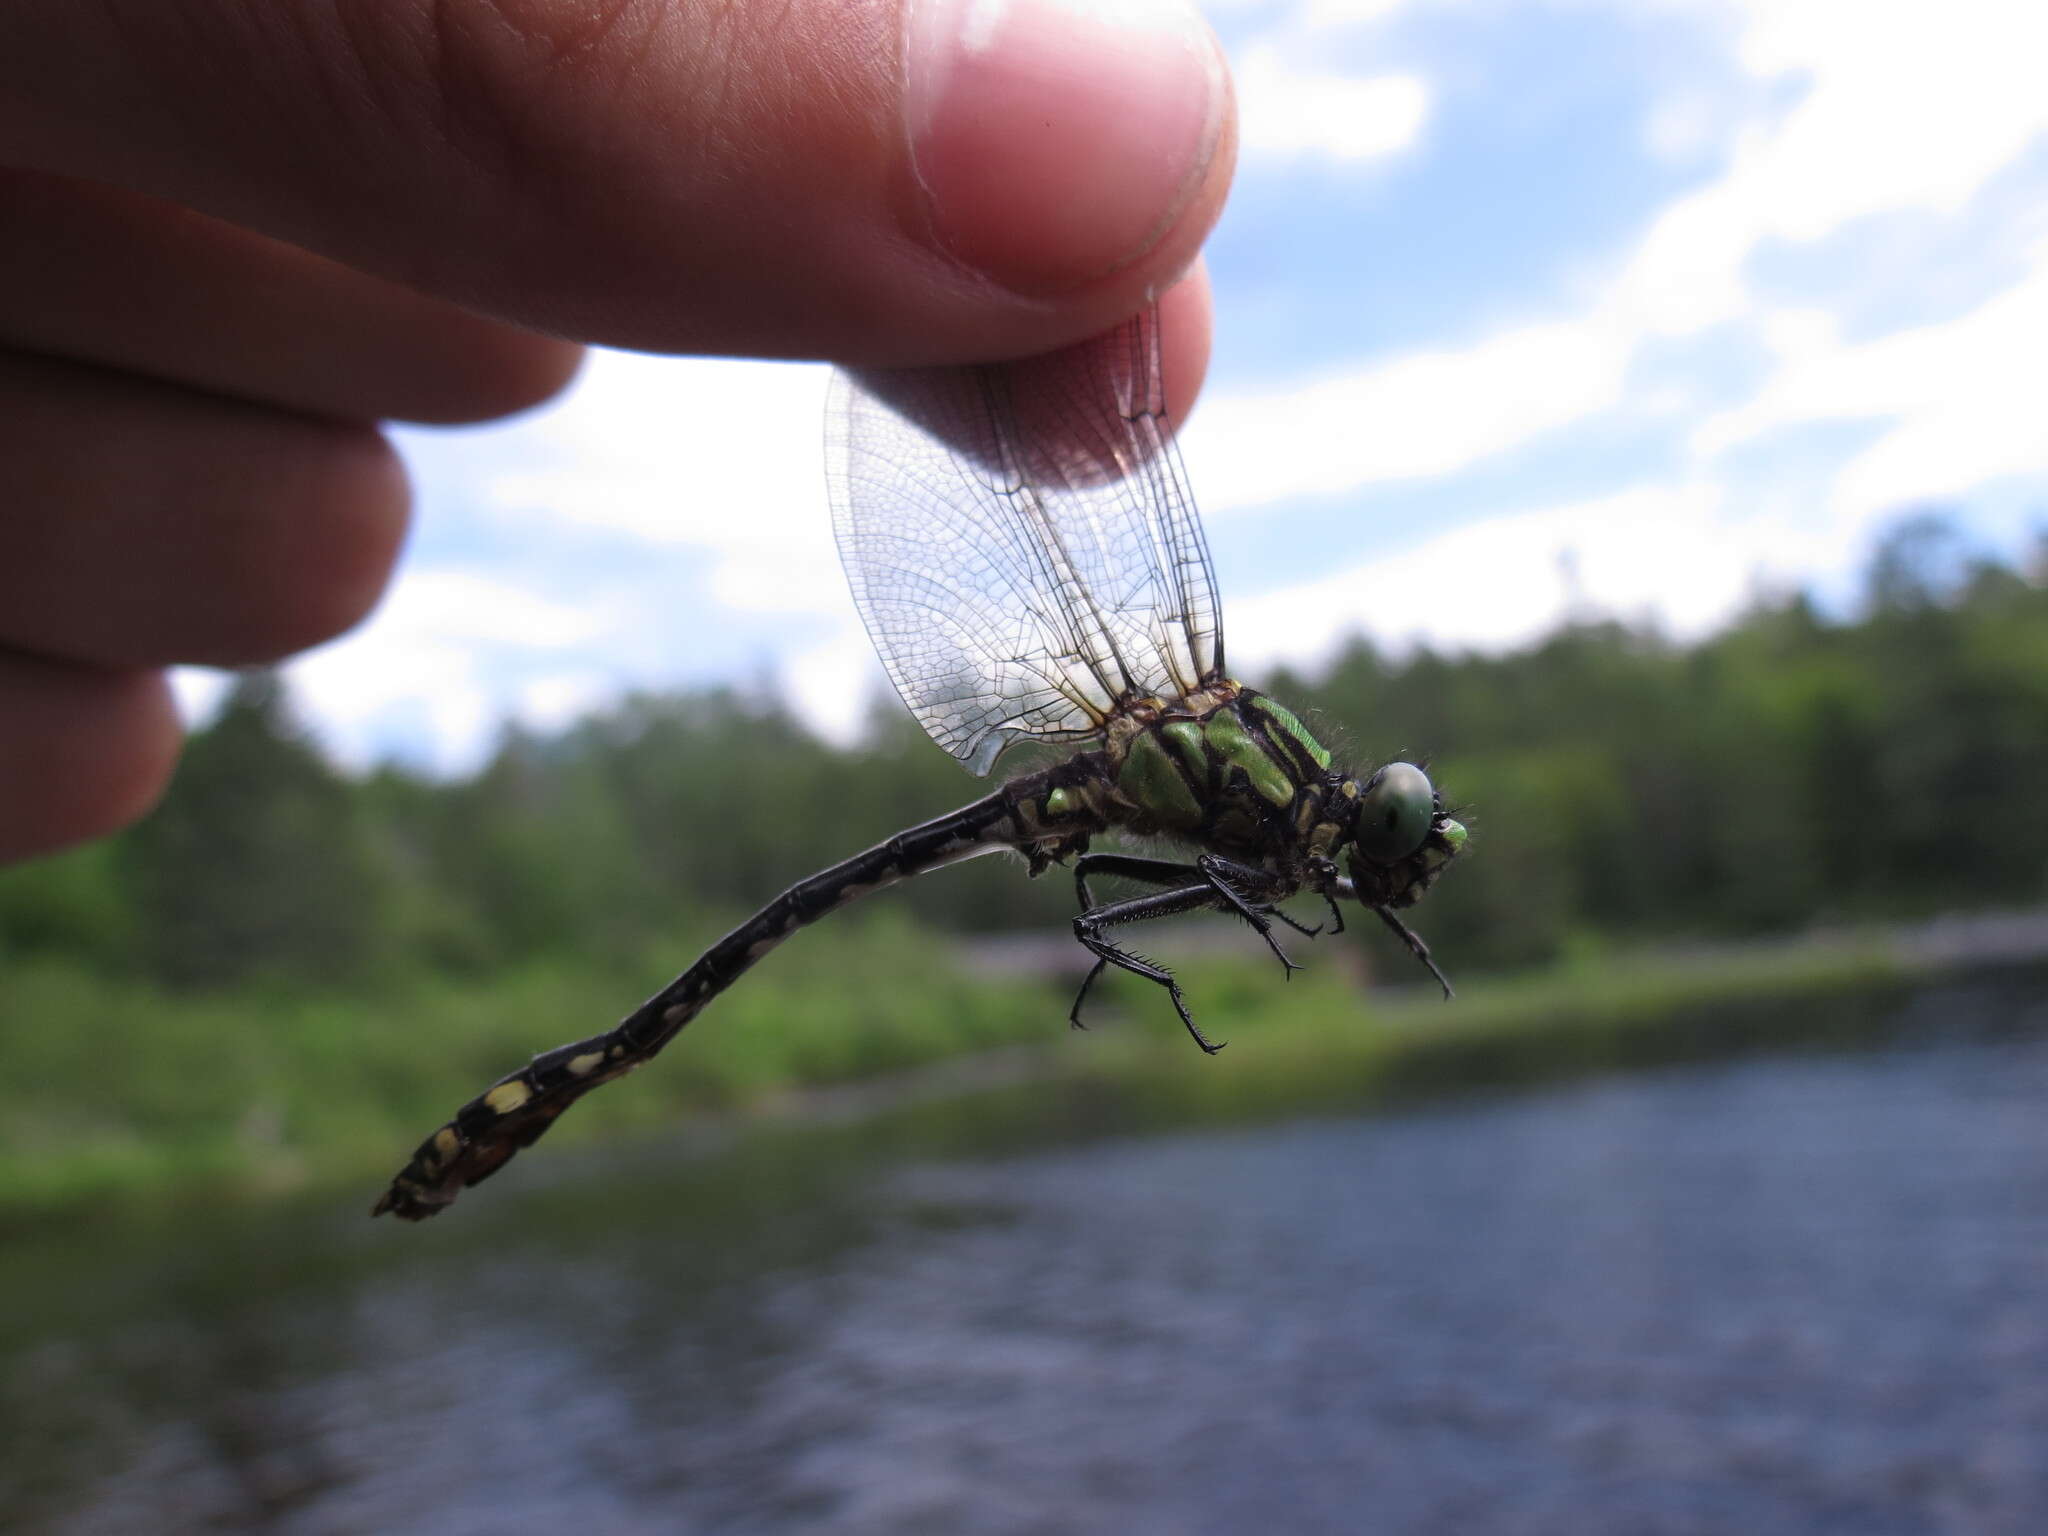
[1228,763]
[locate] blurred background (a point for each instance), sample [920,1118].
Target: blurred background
[1632,410]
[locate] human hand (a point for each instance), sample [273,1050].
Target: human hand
[233,237]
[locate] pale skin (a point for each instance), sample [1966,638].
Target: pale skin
[235,237]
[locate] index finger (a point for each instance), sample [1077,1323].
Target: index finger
[967,180]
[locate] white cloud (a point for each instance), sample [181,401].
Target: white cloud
[1425,413]
[680,450]
[1320,15]
[426,657]
[1965,400]
[198,691]
[423,667]
[720,455]
[1678,553]
[556,699]
[831,685]
[1315,16]
[1286,110]
[1903,109]
[462,606]
[1685,125]
[1900,109]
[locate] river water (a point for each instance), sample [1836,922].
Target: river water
[1798,1294]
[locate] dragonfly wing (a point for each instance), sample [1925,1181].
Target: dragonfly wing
[1021,542]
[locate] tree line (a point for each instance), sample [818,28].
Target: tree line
[1795,768]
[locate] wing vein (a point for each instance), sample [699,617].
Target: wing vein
[1020,540]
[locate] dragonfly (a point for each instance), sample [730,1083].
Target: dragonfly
[1023,548]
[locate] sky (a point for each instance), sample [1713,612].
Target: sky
[1522,306]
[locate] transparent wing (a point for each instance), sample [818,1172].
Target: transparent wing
[1021,542]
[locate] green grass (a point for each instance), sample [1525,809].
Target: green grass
[124,1090]
[121,1093]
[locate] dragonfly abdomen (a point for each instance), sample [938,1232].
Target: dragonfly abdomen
[516,1111]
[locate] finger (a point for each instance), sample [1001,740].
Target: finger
[809,178]
[86,751]
[108,276]
[148,524]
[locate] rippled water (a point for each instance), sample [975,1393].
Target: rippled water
[1803,1294]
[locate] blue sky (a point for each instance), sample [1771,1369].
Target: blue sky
[1697,294]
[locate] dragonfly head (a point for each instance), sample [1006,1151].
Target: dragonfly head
[1401,839]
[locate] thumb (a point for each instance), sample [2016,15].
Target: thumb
[923,181]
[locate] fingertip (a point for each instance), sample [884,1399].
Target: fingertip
[174,526]
[317,575]
[535,372]
[498,371]
[152,735]
[1057,142]
[298,550]
[87,752]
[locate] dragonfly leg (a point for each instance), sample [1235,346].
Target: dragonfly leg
[1124,866]
[1080,997]
[1336,914]
[1324,877]
[1089,927]
[1416,947]
[1268,909]
[1228,878]
[1225,876]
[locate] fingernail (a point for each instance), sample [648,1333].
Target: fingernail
[1056,141]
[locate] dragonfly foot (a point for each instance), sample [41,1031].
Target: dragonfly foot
[1416,948]
[1336,915]
[1180,1006]
[1264,930]
[1080,997]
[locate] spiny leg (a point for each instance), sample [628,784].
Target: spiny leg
[1323,876]
[1269,909]
[1088,928]
[1343,886]
[1125,866]
[1228,878]
[1336,914]
[1336,925]
[1080,997]
[1416,948]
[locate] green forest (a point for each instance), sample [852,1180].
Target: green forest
[1790,771]
[1798,769]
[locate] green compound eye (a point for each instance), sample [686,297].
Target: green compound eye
[1395,815]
